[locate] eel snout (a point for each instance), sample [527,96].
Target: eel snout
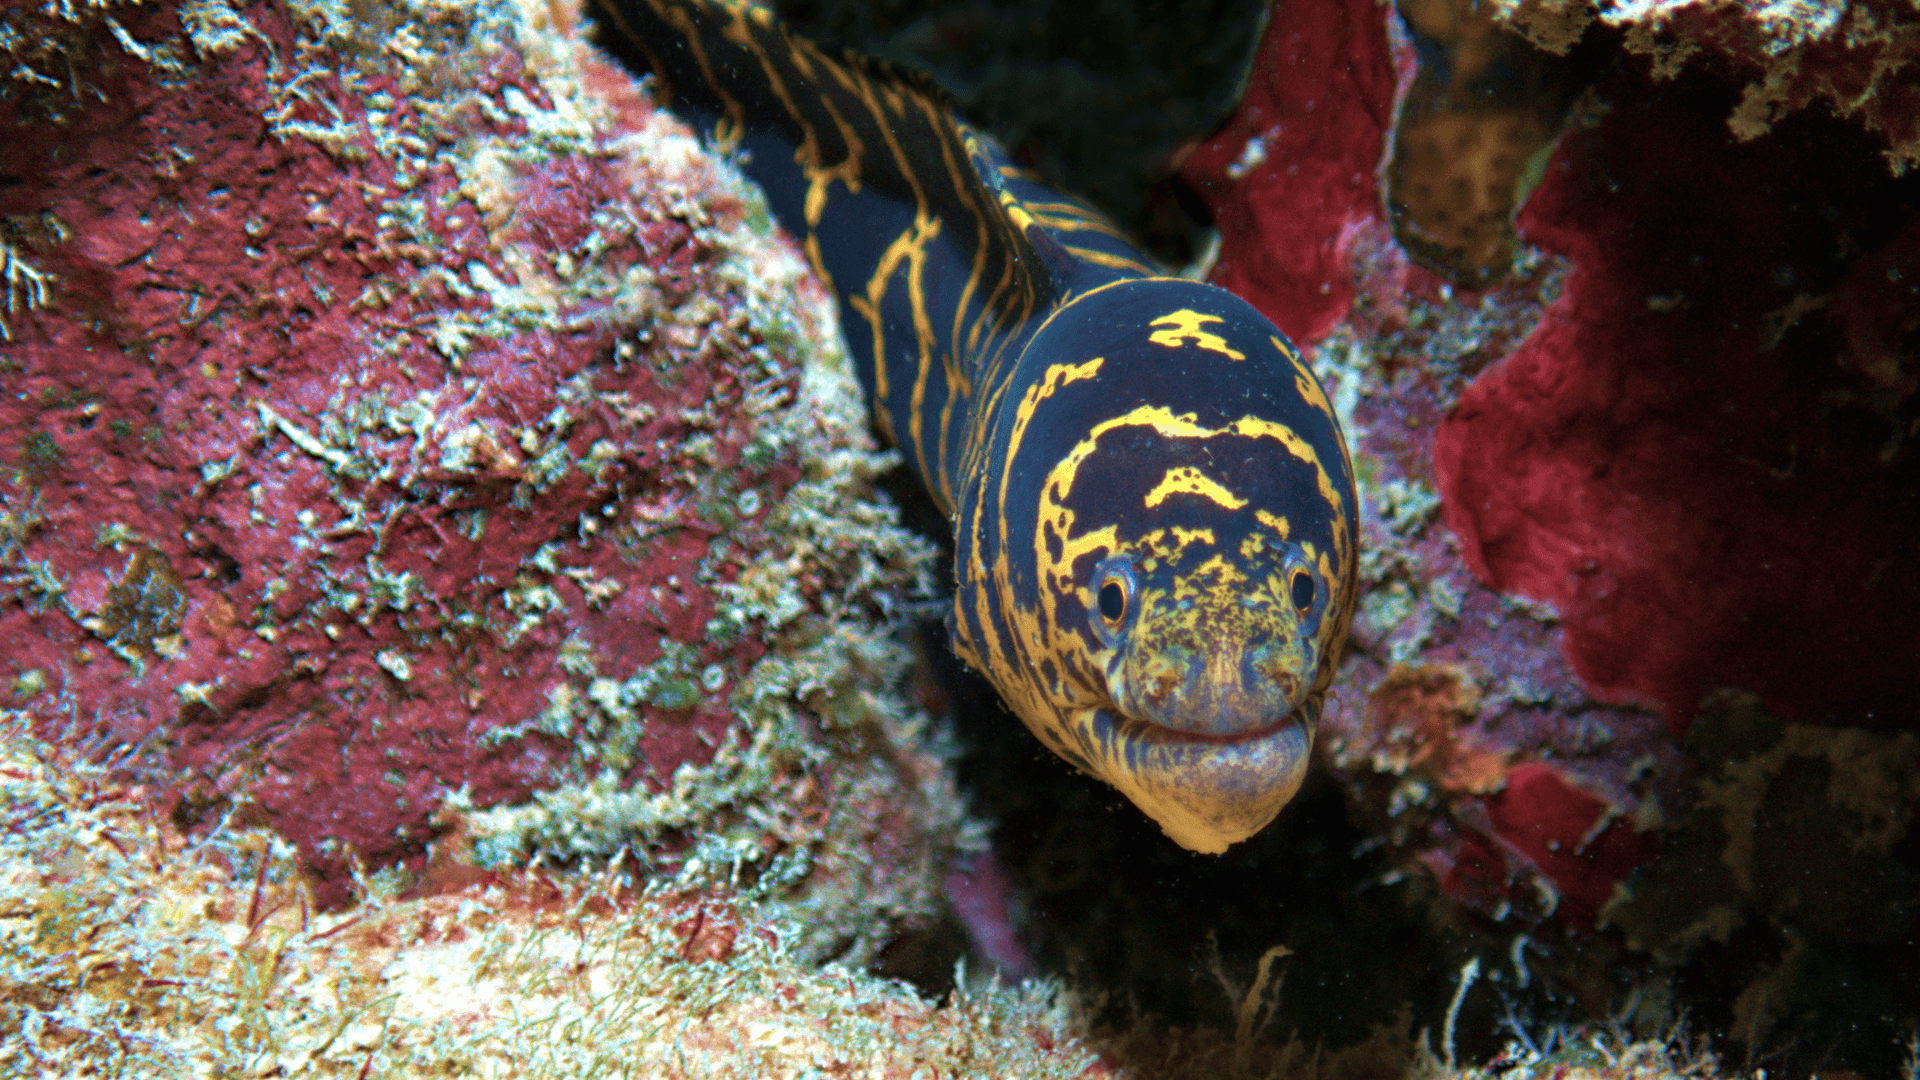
[1205,791]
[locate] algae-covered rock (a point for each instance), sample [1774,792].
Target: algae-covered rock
[130,950]
[408,428]
[1857,58]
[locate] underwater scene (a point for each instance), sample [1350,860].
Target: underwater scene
[1293,540]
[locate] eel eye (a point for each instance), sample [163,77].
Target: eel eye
[1302,590]
[1113,595]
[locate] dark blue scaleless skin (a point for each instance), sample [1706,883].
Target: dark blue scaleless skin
[1152,502]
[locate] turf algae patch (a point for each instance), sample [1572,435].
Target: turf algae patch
[410,435]
[129,950]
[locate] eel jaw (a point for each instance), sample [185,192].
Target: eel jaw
[1205,792]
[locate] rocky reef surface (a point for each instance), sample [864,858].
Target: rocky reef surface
[1657,455]
[1626,341]
[416,444]
[438,534]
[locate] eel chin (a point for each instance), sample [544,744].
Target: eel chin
[1205,792]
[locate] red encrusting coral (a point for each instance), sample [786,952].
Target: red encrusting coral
[1569,835]
[1684,424]
[1450,694]
[1682,458]
[1293,174]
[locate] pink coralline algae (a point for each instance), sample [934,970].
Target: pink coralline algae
[398,431]
[1670,451]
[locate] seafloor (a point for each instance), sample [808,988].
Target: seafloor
[454,619]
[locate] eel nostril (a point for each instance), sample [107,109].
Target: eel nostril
[1162,678]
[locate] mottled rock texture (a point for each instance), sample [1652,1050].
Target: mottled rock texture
[408,430]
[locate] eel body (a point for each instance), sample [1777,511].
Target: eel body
[1152,503]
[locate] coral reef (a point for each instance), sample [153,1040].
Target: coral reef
[418,452]
[1666,449]
[405,423]
[1645,438]
[1683,458]
[1467,737]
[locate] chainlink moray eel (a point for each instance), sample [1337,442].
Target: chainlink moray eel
[1152,503]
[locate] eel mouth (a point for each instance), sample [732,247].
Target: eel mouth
[1205,791]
